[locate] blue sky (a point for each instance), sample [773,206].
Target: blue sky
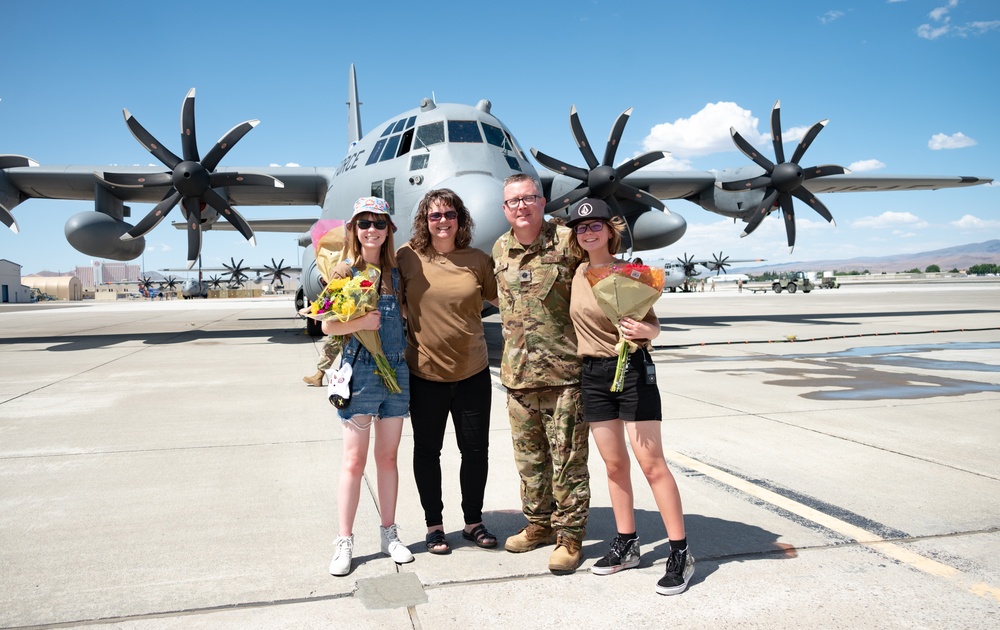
[909,87]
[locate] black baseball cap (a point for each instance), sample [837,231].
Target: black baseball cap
[589,209]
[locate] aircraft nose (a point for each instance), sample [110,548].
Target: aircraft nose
[483,195]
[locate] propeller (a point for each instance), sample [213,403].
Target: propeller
[12,161]
[688,262]
[170,283]
[783,180]
[719,263]
[146,283]
[192,180]
[277,271]
[236,275]
[601,179]
[215,282]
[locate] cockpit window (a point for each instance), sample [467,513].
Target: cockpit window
[399,125]
[429,134]
[387,131]
[376,151]
[410,121]
[463,131]
[494,135]
[390,149]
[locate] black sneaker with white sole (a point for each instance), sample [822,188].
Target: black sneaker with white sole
[624,554]
[680,568]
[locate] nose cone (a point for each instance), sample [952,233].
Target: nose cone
[483,196]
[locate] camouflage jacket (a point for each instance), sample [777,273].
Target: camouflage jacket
[533,283]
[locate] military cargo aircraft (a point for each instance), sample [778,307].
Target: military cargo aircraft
[435,145]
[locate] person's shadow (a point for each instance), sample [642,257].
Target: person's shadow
[713,541]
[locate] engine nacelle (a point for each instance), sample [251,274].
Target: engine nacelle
[733,204]
[654,229]
[309,278]
[99,235]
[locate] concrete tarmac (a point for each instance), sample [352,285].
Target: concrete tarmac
[162,465]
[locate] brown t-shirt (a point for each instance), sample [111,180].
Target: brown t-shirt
[596,335]
[444,298]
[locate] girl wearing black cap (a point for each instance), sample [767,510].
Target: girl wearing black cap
[634,411]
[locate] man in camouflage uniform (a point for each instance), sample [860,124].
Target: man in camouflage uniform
[541,370]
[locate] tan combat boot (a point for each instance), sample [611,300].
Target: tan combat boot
[530,537]
[316,380]
[566,557]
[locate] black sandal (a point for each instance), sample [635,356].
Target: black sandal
[437,543]
[481,536]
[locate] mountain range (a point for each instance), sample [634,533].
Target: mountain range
[960,257]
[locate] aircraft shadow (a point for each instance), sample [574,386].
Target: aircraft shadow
[73,343]
[841,319]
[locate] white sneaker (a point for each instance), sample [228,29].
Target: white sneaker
[341,563]
[392,547]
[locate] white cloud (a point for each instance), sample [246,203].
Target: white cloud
[705,132]
[866,165]
[891,219]
[955,141]
[830,16]
[926,31]
[945,27]
[982,27]
[969,222]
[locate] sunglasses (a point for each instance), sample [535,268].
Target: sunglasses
[596,226]
[364,224]
[451,215]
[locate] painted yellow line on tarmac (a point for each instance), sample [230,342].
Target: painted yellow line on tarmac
[863,536]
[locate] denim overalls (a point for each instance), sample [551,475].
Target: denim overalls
[369,395]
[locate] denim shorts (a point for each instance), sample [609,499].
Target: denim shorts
[637,400]
[369,396]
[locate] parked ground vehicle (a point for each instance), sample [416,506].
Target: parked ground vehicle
[827,280]
[792,282]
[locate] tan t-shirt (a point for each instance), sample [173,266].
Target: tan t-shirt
[444,299]
[596,335]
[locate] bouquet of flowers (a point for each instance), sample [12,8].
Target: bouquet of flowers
[345,299]
[625,290]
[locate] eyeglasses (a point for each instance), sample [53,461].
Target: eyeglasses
[451,215]
[596,226]
[364,224]
[526,200]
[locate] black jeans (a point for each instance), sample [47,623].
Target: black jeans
[468,402]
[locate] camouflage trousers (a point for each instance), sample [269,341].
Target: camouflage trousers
[551,445]
[332,346]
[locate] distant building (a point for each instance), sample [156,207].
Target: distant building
[11,287]
[59,287]
[101,272]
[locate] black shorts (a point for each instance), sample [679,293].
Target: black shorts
[636,401]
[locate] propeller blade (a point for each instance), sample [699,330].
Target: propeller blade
[568,199]
[192,208]
[8,219]
[779,148]
[639,195]
[635,164]
[807,140]
[810,199]
[788,210]
[129,180]
[559,166]
[822,171]
[746,184]
[154,217]
[750,152]
[189,142]
[226,143]
[614,138]
[758,215]
[581,139]
[14,161]
[218,180]
[230,214]
[152,145]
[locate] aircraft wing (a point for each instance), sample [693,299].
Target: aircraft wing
[301,186]
[872,183]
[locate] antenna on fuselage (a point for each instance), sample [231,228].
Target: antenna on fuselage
[353,109]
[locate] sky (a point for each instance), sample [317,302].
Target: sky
[909,88]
